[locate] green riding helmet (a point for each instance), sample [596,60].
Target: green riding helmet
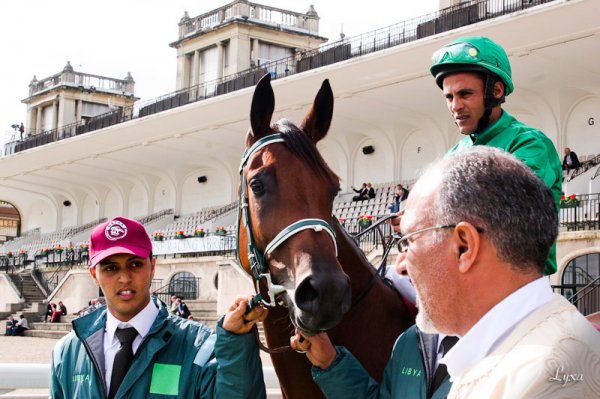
[472,54]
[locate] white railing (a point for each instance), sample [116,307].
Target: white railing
[27,376]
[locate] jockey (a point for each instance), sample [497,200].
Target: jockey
[475,76]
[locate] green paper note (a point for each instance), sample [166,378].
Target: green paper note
[165,379]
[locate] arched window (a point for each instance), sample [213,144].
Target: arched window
[184,285]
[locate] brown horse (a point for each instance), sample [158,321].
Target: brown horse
[286,197]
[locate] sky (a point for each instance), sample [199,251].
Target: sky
[111,38]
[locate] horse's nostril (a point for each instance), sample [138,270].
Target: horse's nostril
[306,295]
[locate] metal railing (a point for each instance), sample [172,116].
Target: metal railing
[62,262]
[584,167]
[408,31]
[183,287]
[585,297]
[581,214]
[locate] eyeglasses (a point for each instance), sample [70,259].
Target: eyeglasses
[403,243]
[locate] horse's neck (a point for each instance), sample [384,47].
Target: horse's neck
[354,262]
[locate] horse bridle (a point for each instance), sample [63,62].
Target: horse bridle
[260,270]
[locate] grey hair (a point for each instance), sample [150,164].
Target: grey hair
[493,190]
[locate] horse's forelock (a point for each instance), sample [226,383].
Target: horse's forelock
[301,145]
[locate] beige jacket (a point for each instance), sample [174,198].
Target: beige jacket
[553,353]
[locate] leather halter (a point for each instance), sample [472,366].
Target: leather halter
[260,270]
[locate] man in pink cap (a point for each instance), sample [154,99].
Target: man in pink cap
[134,347]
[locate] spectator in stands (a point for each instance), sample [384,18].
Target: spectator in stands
[370,191]
[182,309]
[59,311]
[570,161]
[169,356]
[400,194]
[363,193]
[20,327]
[173,308]
[475,76]
[477,260]
[50,307]
[10,324]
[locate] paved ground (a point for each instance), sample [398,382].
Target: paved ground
[26,349]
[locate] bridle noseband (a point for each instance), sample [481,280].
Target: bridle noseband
[260,270]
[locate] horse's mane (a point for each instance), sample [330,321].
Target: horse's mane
[302,146]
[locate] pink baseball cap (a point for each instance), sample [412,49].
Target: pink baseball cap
[119,236]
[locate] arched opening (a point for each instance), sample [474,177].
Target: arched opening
[10,222]
[581,281]
[184,285]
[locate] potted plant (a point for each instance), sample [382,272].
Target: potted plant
[58,249]
[22,253]
[158,236]
[570,201]
[199,232]
[9,254]
[69,249]
[365,221]
[44,251]
[83,247]
[342,221]
[179,234]
[220,231]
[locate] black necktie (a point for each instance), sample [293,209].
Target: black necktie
[441,372]
[123,359]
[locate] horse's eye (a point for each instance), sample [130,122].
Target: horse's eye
[257,187]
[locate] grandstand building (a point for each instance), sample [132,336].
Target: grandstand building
[172,162]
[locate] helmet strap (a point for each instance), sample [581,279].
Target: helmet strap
[490,102]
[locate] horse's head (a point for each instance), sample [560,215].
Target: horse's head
[289,191]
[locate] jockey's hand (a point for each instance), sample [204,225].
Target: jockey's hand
[237,321]
[318,348]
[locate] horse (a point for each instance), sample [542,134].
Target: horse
[299,254]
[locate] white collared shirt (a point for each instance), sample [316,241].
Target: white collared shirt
[141,322]
[491,330]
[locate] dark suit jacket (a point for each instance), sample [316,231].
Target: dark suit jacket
[574,159]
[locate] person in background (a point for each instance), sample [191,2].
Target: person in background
[20,327]
[133,347]
[400,194]
[363,193]
[570,161]
[182,309]
[370,191]
[50,307]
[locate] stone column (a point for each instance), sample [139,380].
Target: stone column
[220,59]
[38,121]
[78,108]
[54,114]
[195,69]
[253,52]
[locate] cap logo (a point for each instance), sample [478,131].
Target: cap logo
[115,230]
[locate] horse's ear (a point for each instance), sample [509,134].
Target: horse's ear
[318,118]
[261,111]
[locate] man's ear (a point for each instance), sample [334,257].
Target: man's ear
[93,273]
[499,89]
[466,245]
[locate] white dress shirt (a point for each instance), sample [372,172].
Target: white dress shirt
[141,322]
[496,325]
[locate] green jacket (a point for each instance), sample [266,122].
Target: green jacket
[532,147]
[408,373]
[177,359]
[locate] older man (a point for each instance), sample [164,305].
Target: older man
[476,258]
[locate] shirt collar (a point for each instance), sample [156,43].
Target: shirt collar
[141,321]
[496,325]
